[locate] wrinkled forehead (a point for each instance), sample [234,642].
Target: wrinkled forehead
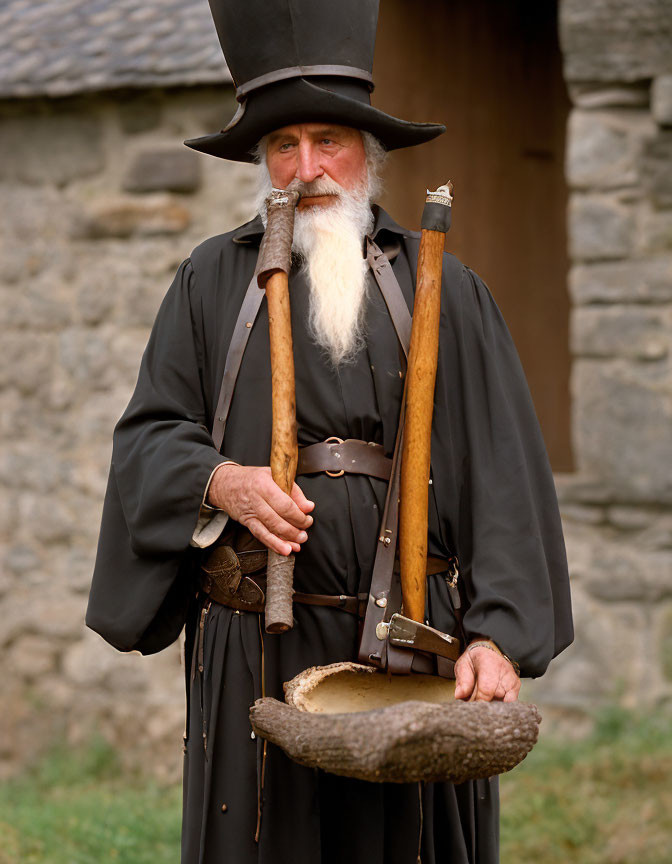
[312,132]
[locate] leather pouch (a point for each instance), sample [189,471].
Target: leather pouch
[224,572]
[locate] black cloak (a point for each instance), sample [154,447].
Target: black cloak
[492,502]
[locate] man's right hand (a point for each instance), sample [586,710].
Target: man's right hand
[250,496]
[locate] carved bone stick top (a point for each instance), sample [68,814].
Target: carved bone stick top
[276,245]
[437,212]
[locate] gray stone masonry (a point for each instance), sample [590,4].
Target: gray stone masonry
[101,203]
[617,506]
[615,40]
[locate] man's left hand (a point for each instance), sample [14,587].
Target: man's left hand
[485,676]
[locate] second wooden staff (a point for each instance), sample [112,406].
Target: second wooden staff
[422,363]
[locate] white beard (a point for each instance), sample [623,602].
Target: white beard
[330,240]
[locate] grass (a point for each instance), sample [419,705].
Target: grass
[78,808]
[606,799]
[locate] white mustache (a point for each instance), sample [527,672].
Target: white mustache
[318,187]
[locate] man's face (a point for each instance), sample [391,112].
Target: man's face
[308,151]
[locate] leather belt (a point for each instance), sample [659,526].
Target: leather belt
[238,580]
[337,456]
[353,605]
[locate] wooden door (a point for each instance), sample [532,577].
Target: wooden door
[491,71]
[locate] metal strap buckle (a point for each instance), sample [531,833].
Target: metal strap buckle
[336,440]
[453,573]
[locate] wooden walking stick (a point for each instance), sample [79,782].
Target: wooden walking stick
[272,275]
[421,377]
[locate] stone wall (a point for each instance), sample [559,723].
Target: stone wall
[100,204]
[617,508]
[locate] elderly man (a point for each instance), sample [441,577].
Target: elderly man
[172,495]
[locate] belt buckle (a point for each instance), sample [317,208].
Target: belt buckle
[336,440]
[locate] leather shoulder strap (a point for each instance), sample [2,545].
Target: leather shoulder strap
[391,291]
[241,333]
[382,600]
[384,596]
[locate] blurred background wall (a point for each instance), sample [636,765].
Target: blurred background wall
[559,142]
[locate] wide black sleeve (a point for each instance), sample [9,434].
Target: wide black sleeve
[162,457]
[494,481]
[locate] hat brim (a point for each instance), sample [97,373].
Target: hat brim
[300,101]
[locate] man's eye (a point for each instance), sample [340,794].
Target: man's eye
[285,147]
[327,141]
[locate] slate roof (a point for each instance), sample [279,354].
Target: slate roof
[61,47]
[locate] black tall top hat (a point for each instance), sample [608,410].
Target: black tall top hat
[297,61]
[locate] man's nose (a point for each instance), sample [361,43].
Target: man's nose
[308,167]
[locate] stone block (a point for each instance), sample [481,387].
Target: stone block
[579,540]
[658,533]
[14,260]
[656,169]
[7,582]
[61,615]
[140,298]
[582,513]
[621,422]
[615,40]
[127,349]
[28,361]
[582,488]
[661,100]
[120,293]
[608,662]
[163,170]
[85,355]
[40,303]
[95,301]
[25,467]
[63,393]
[620,571]
[31,656]
[631,518]
[55,517]
[55,697]
[600,228]
[20,417]
[665,642]
[654,235]
[97,419]
[638,332]
[22,559]
[213,110]
[602,147]
[91,662]
[56,147]
[139,112]
[50,612]
[33,224]
[128,217]
[591,95]
[644,281]
[72,566]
